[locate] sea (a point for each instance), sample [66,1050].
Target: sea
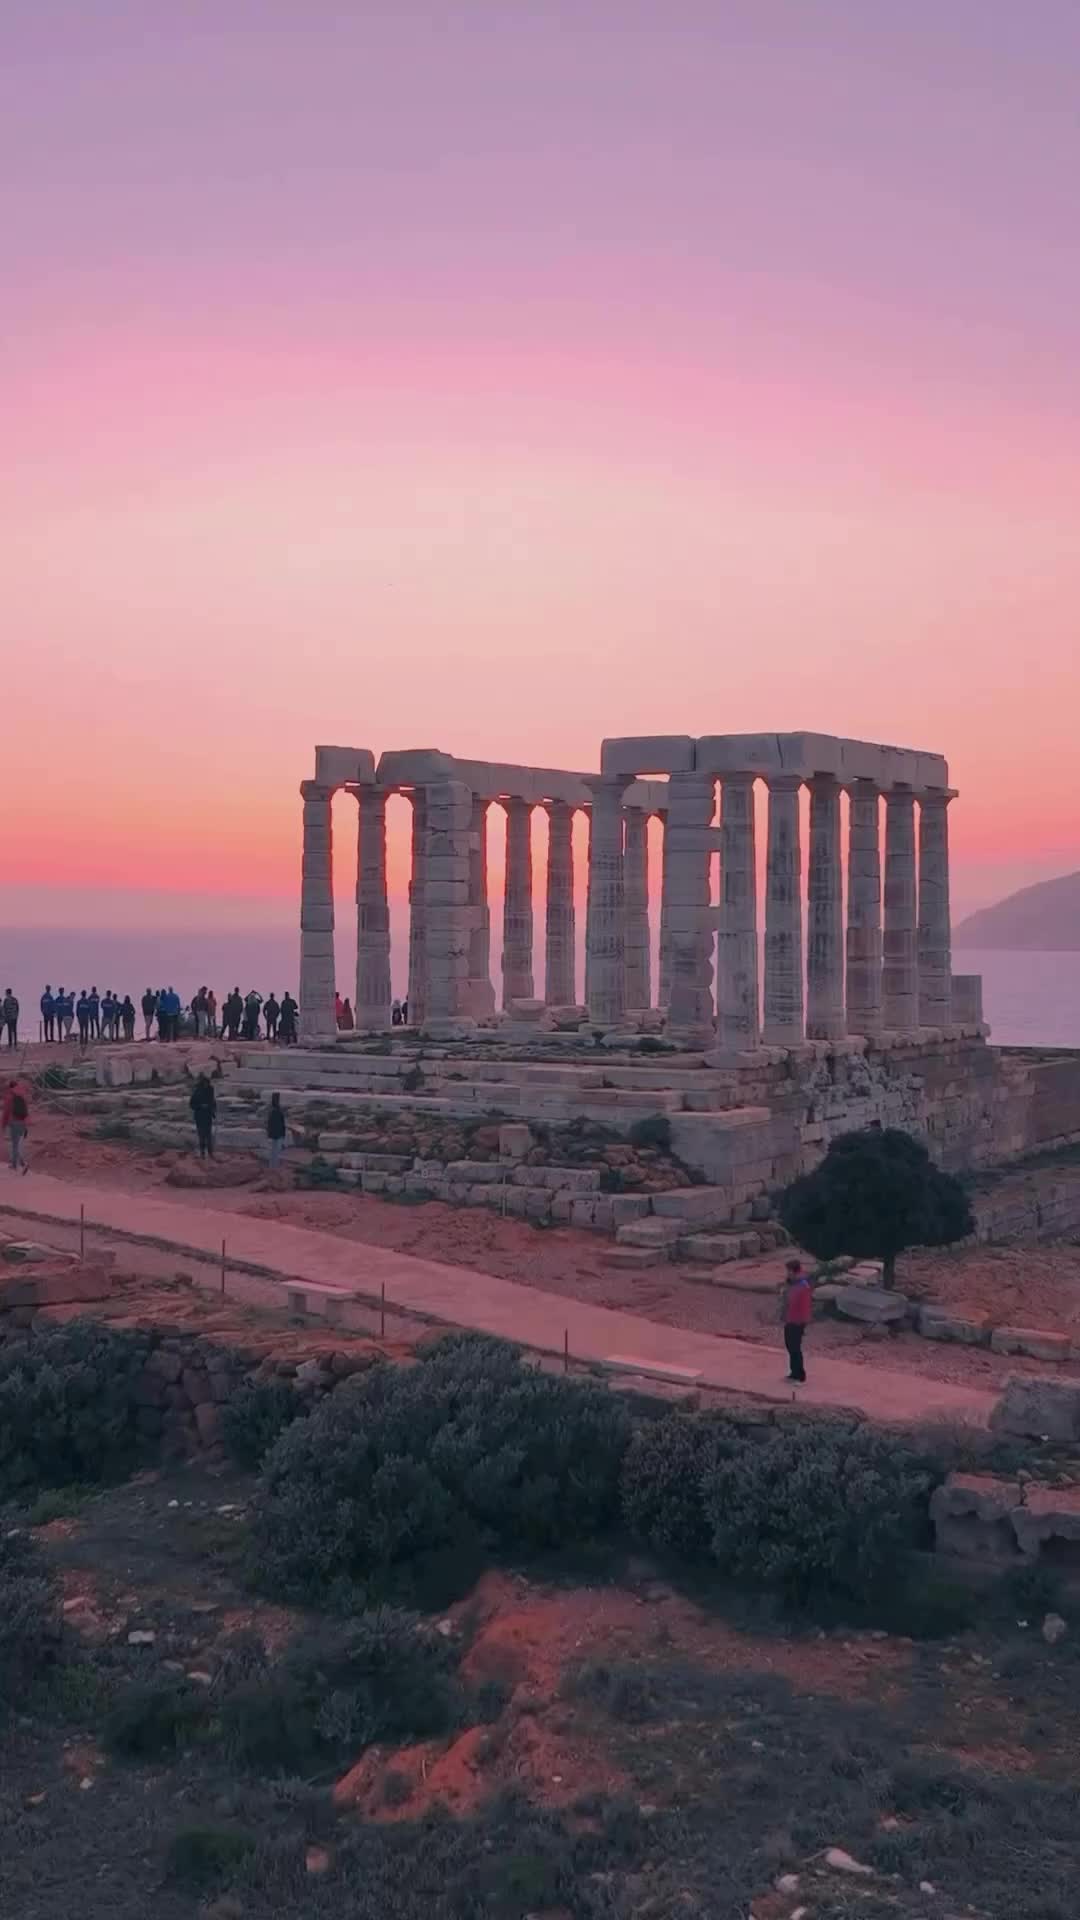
[1029,999]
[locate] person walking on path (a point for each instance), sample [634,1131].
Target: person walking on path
[275,1131]
[15,1120]
[149,1011]
[9,1014]
[289,1011]
[204,1113]
[48,1014]
[798,1309]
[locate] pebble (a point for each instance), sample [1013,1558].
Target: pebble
[200,1677]
[1053,1629]
[85,1784]
[142,1637]
[445,1627]
[842,1862]
[788,1883]
[927,1886]
[174,1503]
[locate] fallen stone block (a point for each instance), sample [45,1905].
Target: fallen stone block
[713,1247]
[633,1258]
[972,1516]
[54,1286]
[937,1323]
[649,1233]
[1048,1515]
[1038,1345]
[1038,1406]
[875,1306]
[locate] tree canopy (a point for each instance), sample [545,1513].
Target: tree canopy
[875,1193]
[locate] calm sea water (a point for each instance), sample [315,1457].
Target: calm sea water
[1031,999]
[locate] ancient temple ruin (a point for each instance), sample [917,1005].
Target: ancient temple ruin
[885,970]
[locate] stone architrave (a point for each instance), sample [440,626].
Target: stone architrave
[935,924]
[560,928]
[737,1016]
[900,971]
[417,909]
[784,1015]
[864,1015]
[447,915]
[372,913]
[481,993]
[824,914]
[604,932]
[318,1020]
[687,908]
[636,960]
[517,956]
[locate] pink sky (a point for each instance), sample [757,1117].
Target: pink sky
[499,378]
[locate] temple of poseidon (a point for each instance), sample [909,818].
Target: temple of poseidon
[888,971]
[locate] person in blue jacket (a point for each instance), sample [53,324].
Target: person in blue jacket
[48,1014]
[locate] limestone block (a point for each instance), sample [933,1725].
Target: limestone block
[1039,1406]
[936,1323]
[633,1258]
[712,1247]
[648,753]
[332,1142]
[515,1141]
[705,1206]
[973,1516]
[560,1207]
[1038,1345]
[1049,1514]
[649,1233]
[629,1206]
[538,1205]
[344,766]
[566,1019]
[876,1306]
[475,1172]
[530,1010]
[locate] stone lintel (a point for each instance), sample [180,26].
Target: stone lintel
[344,766]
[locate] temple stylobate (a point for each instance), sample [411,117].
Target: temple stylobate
[868,957]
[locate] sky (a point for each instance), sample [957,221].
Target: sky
[501,377]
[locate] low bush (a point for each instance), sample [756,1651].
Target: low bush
[815,1512]
[204,1858]
[67,1407]
[154,1719]
[30,1621]
[256,1415]
[652,1130]
[380,1677]
[409,1462]
[662,1480]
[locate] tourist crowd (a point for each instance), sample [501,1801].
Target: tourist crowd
[90,1016]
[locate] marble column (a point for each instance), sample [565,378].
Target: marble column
[783,917]
[636,962]
[560,926]
[688,915]
[663,988]
[737,1017]
[372,913]
[318,1021]
[417,908]
[824,914]
[481,993]
[517,957]
[864,911]
[900,970]
[604,932]
[935,926]
[446,904]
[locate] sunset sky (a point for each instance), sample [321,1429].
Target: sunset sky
[498,376]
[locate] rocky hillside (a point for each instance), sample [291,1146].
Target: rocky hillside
[1044,918]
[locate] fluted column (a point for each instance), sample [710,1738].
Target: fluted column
[824,917]
[687,911]
[663,988]
[446,904]
[783,917]
[900,972]
[935,925]
[517,958]
[636,961]
[864,910]
[481,993]
[737,1016]
[604,933]
[372,913]
[318,1021]
[417,908]
[560,927]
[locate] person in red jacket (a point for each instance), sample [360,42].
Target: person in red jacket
[798,1309]
[15,1120]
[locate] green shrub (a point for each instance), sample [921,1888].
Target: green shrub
[30,1621]
[380,1677]
[876,1192]
[652,1130]
[407,1462]
[155,1718]
[255,1416]
[662,1479]
[814,1512]
[67,1406]
[202,1858]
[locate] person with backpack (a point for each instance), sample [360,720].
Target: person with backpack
[15,1120]
[798,1310]
[204,1113]
[275,1131]
[9,1014]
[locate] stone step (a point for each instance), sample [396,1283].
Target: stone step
[649,1233]
[634,1259]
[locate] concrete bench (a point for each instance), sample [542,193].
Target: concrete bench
[333,1300]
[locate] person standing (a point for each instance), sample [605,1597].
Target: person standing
[798,1309]
[211,1012]
[289,1011]
[108,1011]
[271,1014]
[127,1015]
[48,1014]
[252,1009]
[15,1120]
[9,1014]
[204,1113]
[275,1131]
[64,1008]
[93,1001]
[82,1015]
[149,1010]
